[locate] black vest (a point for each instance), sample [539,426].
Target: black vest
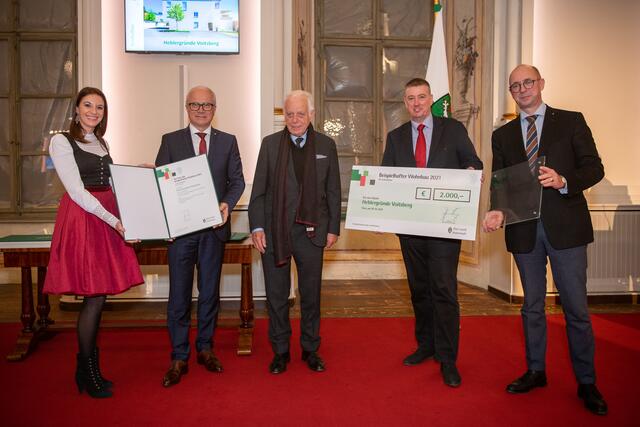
[94,170]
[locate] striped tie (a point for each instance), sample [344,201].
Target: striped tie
[532,140]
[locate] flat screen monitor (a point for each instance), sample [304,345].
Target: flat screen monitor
[182,27]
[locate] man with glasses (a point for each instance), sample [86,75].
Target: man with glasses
[205,248]
[562,232]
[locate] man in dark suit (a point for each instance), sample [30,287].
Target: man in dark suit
[431,263]
[295,211]
[205,248]
[561,234]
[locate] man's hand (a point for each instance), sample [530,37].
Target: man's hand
[492,221]
[331,239]
[550,178]
[224,212]
[259,240]
[471,168]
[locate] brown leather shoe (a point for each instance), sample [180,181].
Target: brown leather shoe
[210,361]
[178,369]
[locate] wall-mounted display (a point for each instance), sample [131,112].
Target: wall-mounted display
[182,27]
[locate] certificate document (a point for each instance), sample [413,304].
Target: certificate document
[423,202]
[166,202]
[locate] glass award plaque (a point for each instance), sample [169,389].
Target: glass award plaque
[517,192]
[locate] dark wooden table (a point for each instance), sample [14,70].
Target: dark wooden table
[27,257]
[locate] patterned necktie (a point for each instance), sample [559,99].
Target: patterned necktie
[421,148]
[202,148]
[532,140]
[299,142]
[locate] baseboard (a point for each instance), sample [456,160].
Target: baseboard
[554,299]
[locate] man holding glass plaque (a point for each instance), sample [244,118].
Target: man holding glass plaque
[561,233]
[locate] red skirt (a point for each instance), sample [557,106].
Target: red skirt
[88,256]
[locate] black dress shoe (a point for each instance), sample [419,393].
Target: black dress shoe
[279,363]
[417,357]
[450,374]
[527,382]
[210,361]
[314,362]
[593,400]
[176,371]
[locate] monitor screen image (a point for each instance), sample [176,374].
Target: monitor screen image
[187,27]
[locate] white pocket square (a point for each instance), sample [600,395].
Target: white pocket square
[320,156]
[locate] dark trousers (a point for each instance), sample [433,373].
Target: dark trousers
[308,259]
[204,250]
[432,267]
[569,269]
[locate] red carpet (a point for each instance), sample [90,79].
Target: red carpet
[365,383]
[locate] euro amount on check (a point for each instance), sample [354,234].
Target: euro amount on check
[422,202]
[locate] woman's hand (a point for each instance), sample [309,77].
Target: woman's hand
[120,229]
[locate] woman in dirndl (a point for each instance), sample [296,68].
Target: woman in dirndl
[89,256]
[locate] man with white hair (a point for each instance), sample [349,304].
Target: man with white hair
[295,211]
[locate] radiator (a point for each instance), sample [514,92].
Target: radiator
[614,256]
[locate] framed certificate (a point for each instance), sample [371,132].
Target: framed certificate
[166,202]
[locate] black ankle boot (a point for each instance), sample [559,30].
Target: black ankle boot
[87,378]
[96,359]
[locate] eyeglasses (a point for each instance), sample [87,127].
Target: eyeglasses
[526,83]
[195,106]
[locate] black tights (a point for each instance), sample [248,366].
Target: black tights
[89,322]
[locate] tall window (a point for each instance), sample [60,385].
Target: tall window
[37,85]
[368,50]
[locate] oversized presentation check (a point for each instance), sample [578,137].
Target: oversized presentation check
[166,202]
[423,202]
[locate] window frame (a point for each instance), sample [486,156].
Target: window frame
[378,43]
[15,36]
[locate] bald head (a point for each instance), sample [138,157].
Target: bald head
[201,107]
[527,68]
[198,91]
[526,85]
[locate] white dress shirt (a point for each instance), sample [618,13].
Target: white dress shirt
[61,154]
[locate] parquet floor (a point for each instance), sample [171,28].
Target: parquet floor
[340,298]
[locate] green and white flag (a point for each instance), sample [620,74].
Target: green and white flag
[437,72]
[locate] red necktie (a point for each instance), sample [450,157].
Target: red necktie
[202,149]
[421,148]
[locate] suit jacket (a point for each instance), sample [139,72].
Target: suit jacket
[569,149]
[224,163]
[328,191]
[450,147]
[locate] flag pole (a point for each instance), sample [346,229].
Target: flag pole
[437,70]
